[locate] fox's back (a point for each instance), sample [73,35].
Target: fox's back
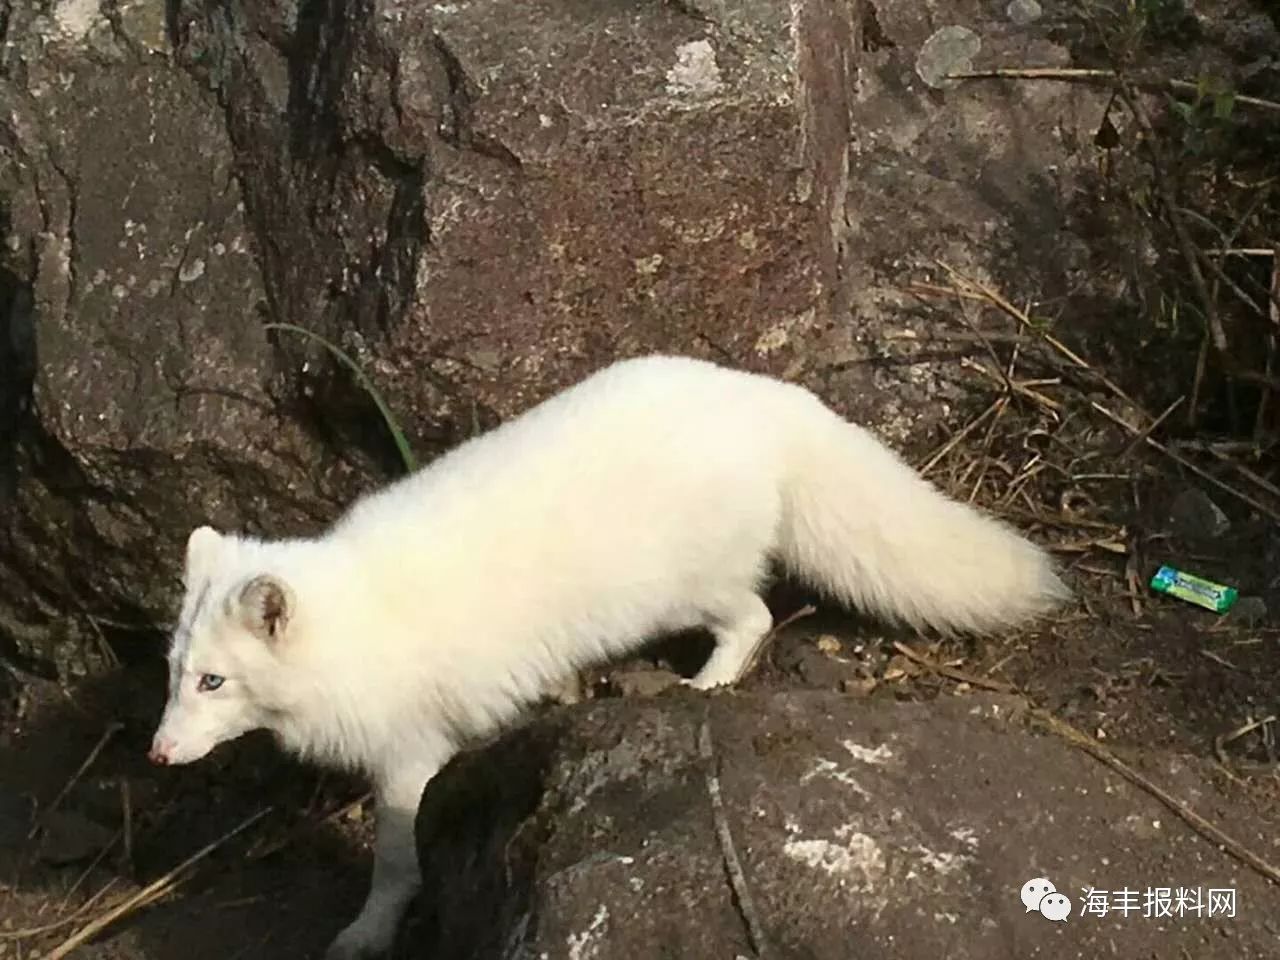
[622,430]
[652,468]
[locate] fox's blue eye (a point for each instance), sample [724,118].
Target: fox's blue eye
[209,681]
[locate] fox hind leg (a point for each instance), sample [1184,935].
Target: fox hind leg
[738,629]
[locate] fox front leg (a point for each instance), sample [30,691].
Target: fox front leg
[396,875]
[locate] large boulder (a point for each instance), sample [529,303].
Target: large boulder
[503,196]
[480,202]
[833,827]
[136,367]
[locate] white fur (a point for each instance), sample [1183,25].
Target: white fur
[648,498]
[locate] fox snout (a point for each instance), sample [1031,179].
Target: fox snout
[173,744]
[159,754]
[184,736]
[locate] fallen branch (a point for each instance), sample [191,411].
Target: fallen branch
[1198,823]
[952,673]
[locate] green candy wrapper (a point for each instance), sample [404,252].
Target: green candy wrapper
[1193,589]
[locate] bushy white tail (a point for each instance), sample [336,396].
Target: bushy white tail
[862,524]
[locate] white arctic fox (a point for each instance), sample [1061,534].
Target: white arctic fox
[648,498]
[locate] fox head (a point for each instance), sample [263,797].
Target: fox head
[227,640]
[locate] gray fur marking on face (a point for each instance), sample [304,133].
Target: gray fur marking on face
[182,635]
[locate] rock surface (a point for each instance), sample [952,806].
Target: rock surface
[863,828]
[136,350]
[480,202]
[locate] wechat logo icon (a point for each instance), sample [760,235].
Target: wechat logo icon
[1043,897]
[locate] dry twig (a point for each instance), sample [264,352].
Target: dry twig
[26,933]
[1109,77]
[1149,429]
[956,438]
[749,664]
[93,865]
[1012,386]
[1024,320]
[126,815]
[732,865]
[1219,659]
[1198,471]
[151,892]
[1140,435]
[953,673]
[1220,742]
[112,729]
[275,846]
[1190,252]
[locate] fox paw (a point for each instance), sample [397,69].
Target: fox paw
[706,684]
[361,941]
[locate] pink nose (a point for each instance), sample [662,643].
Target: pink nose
[159,755]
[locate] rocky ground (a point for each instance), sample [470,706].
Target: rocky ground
[879,804]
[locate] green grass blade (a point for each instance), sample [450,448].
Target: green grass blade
[402,442]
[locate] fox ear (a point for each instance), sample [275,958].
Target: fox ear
[265,605]
[204,546]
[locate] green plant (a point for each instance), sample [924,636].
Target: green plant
[397,434]
[1207,117]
